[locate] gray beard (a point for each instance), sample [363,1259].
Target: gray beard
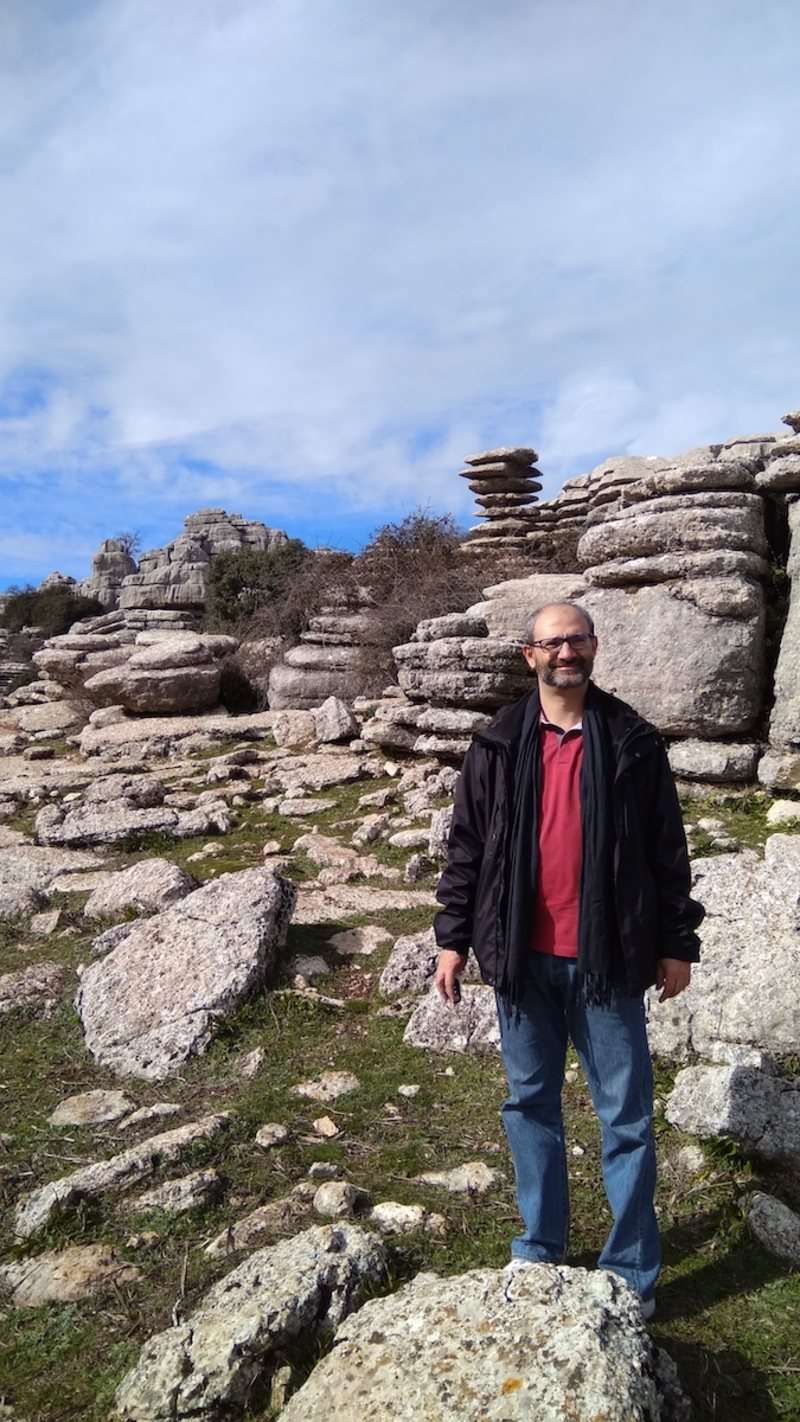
[578,676]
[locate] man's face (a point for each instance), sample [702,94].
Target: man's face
[562,665]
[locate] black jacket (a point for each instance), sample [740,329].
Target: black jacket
[656,916]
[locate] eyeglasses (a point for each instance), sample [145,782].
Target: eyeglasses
[578,641]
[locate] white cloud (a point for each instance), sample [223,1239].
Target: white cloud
[256,249]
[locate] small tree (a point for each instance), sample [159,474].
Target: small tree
[131,542]
[53,609]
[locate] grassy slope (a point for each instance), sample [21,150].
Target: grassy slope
[728,1313]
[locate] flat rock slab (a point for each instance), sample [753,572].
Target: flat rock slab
[176,1197]
[469,1027]
[33,990]
[147,887]
[743,992]
[28,873]
[65,1275]
[157,735]
[92,1108]
[338,901]
[760,1111]
[37,1208]
[156,998]
[472,1178]
[109,822]
[294,1292]
[328,1086]
[549,1343]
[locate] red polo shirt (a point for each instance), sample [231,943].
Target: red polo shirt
[555,928]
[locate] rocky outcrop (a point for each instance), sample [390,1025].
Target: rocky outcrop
[111,565]
[325,661]
[157,997]
[554,1343]
[170,587]
[506,483]
[282,1299]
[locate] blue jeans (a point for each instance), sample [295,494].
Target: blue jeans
[611,1043]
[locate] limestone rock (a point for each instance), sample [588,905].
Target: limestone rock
[294,728]
[51,718]
[28,873]
[328,1086]
[389,1217]
[111,565]
[338,1199]
[759,1111]
[148,886]
[65,1275]
[261,1226]
[300,1288]
[724,762]
[775,1226]
[470,1027]
[472,1178]
[37,1208]
[334,721]
[411,965]
[91,1108]
[164,735]
[555,1342]
[176,1197]
[34,990]
[156,998]
[785,718]
[742,993]
[439,835]
[334,902]
[783,812]
[272,1134]
[108,823]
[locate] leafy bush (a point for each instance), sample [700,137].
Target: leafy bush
[52,609]
[258,583]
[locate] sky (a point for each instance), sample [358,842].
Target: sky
[296,258]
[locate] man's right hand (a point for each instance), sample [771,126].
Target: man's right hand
[448,968]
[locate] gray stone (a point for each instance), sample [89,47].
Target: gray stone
[411,965]
[670,567]
[66,1275]
[469,1027]
[648,529]
[439,834]
[742,994]
[108,823]
[338,1199]
[775,1226]
[759,1111]
[148,886]
[334,721]
[272,1134]
[554,1343]
[301,809]
[91,1108]
[37,1208]
[720,761]
[156,999]
[50,719]
[176,1197]
[359,941]
[472,1178]
[336,901]
[389,1217]
[328,1086]
[784,726]
[780,473]
[298,1289]
[294,728]
[261,1226]
[35,990]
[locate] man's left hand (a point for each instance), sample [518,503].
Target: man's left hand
[672,977]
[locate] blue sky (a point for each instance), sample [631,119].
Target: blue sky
[297,257]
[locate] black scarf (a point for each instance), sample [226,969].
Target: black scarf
[600,970]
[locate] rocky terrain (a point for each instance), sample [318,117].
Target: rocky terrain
[233,1110]
[249,1164]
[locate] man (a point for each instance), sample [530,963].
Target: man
[568,875]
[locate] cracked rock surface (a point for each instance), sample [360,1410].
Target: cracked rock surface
[544,1344]
[292,1293]
[155,999]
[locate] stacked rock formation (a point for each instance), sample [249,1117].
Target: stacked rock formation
[56,580]
[671,563]
[506,485]
[780,481]
[169,590]
[111,565]
[325,661]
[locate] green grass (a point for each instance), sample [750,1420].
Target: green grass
[729,1313]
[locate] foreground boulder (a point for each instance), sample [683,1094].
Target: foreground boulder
[469,1027]
[146,887]
[545,1344]
[286,1297]
[156,998]
[759,1111]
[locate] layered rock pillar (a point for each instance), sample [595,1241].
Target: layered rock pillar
[506,485]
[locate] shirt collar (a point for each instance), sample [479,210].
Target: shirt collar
[551,726]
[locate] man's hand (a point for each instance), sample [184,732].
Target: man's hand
[449,966]
[672,976]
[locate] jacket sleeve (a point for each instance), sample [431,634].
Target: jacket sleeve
[679,914]
[458,885]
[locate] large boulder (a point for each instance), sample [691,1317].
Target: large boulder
[287,1296]
[549,1343]
[146,887]
[759,1111]
[27,873]
[156,999]
[176,673]
[743,993]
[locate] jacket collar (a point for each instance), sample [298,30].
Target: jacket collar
[625,725]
